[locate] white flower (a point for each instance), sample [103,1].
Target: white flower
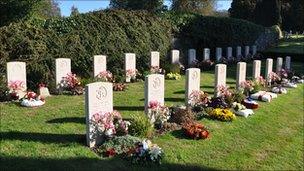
[109,132]
[155,152]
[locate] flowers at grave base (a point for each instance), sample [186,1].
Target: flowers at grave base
[31,99]
[41,85]
[224,91]
[247,87]
[70,81]
[279,90]
[241,110]
[157,113]
[173,76]
[259,84]
[145,152]
[132,73]
[196,131]
[105,76]
[119,86]
[274,78]
[250,104]
[218,102]
[156,70]
[110,124]
[16,85]
[198,98]
[222,114]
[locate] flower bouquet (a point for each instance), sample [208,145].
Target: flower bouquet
[222,114]
[247,87]
[250,104]
[241,110]
[173,76]
[119,86]
[16,89]
[104,76]
[31,99]
[157,113]
[156,70]
[196,131]
[131,75]
[72,83]
[198,99]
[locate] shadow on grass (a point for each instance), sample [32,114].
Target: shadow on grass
[179,92]
[179,134]
[174,99]
[129,108]
[80,120]
[82,163]
[44,137]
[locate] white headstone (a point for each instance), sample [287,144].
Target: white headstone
[98,98]
[16,71]
[206,54]
[218,54]
[154,89]
[268,70]
[44,92]
[256,70]
[229,52]
[287,62]
[220,77]
[247,51]
[254,49]
[154,61]
[63,67]
[192,81]
[174,56]
[238,52]
[240,73]
[191,56]
[279,65]
[130,63]
[100,64]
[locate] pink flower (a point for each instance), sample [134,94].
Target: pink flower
[16,85]
[153,104]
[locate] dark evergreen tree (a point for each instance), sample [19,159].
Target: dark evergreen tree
[149,5]
[268,13]
[242,9]
[204,7]
[74,11]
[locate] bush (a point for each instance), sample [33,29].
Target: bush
[108,32]
[140,126]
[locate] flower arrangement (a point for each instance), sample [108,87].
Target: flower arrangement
[196,131]
[222,114]
[224,91]
[131,74]
[146,152]
[198,98]
[157,113]
[105,76]
[247,87]
[173,76]
[218,102]
[110,124]
[31,99]
[156,70]
[16,85]
[259,84]
[119,86]
[273,78]
[70,81]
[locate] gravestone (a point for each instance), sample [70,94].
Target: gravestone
[218,54]
[229,52]
[220,77]
[63,67]
[206,54]
[287,62]
[175,57]
[154,89]
[16,71]
[240,73]
[192,81]
[191,56]
[130,64]
[254,49]
[238,52]
[268,70]
[154,61]
[247,51]
[279,65]
[256,70]
[100,64]
[98,98]
[44,92]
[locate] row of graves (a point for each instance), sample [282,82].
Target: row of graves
[108,134]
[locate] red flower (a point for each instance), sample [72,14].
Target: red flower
[31,95]
[110,152]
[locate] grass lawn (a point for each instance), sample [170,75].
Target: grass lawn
[293,45]
[53,137]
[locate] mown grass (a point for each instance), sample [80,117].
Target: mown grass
[53,136]
[293,45]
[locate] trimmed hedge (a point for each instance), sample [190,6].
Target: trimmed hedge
[112,33]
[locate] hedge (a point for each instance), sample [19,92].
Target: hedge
[112,33]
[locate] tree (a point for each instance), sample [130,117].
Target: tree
[74,11]
[297,15]
[242,9]
[149,5]
[17,10]
[268,13]
[204,7]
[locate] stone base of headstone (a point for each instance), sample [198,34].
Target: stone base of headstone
[44,92]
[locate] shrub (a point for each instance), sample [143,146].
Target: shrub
[140,126]
[109,32]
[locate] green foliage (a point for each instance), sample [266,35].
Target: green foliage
[268,13]
[173,68]
[121,144]
[140,126]
[242,9]
[113,33]
[204,7]
[149,5]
